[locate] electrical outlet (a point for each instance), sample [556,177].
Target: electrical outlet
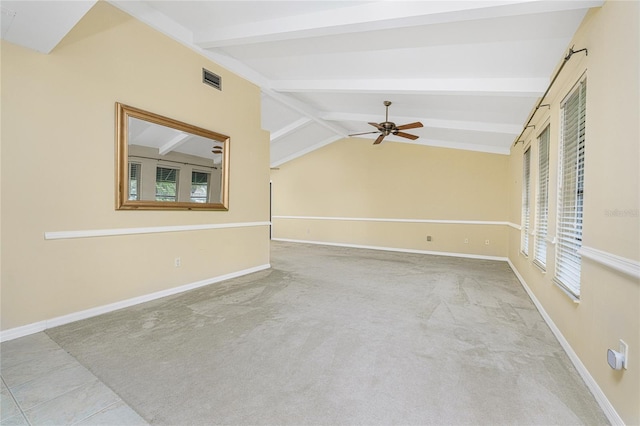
[466,241]
[486,242]
[177,262]
[428,237]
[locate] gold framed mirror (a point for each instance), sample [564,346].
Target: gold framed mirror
[167,164]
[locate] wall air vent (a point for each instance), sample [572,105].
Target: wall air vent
[211,79]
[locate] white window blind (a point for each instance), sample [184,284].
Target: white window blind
[542,205]
[571,190]
[166,184]
[526,205]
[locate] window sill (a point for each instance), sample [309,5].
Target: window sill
[573,297]
[540,267]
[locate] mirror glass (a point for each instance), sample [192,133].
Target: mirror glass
[167,164]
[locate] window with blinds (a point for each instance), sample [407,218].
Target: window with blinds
[571,190]
[526,205]
[542,204]
[199,187]
[166,184]
[134,180]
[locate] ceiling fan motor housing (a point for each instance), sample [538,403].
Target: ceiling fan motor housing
[388,127]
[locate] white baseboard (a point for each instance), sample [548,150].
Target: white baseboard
[402,250]
[601,398]
[14,333]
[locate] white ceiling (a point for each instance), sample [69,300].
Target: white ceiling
[470,71]
[167,140]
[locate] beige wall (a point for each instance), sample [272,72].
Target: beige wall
[352,178]
[58,170]
[609,307]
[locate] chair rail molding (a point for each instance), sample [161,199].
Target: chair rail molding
[147,230]
[618,263]
[376,219]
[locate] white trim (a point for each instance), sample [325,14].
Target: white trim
[453,145]
[433,123]
[374,219]
[306,150]
[618,263]
[599,395]
[25,330]
[148,230]
[14,333]
[396,249]
[289,128]
[575,298]
[514,226]
[444,144]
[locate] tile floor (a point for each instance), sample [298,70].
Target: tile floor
[43,384]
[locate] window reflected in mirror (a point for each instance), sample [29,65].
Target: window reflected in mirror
[134,180]
[200,187]
[166,184]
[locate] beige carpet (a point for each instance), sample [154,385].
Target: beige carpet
[339,336]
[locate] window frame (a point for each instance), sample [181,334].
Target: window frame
[137,180]
[207,187]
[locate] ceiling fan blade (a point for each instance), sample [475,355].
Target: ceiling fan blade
[377,126]
[365,133]
[406,135]
[410,126]
[379,140]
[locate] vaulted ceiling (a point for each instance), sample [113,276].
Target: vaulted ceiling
[470,71]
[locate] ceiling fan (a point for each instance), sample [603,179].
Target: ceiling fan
[217,149]
[387,128]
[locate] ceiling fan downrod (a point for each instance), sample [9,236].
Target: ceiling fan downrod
[387,126]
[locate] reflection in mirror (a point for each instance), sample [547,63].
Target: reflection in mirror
[166,164]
